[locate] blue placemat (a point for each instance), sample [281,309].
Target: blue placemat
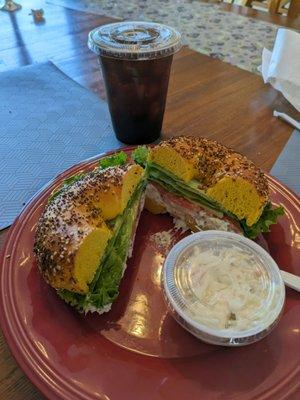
[48,123]
[287,166]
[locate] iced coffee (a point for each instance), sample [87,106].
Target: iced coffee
[136,59]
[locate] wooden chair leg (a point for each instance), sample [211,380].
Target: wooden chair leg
[274,6]
[294,9]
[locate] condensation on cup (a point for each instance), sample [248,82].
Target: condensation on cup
[136,59]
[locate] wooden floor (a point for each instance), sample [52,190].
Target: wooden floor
[206,97]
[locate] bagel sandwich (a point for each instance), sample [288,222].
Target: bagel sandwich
[86,233]
[207,185]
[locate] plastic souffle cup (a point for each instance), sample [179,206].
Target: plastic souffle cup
[223,288]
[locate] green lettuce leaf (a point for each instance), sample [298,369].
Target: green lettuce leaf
[140,155]
[268,217]
[187,190]
[113,160]
[105,286]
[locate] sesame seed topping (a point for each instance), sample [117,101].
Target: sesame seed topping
[215,161]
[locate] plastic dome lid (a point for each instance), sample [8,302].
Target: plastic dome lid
[134,40]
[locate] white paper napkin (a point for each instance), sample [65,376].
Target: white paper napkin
[281,67]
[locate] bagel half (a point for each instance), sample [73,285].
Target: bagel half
[222,188]
[85,234]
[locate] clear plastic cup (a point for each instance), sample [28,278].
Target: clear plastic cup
[200,291]
[136,59]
